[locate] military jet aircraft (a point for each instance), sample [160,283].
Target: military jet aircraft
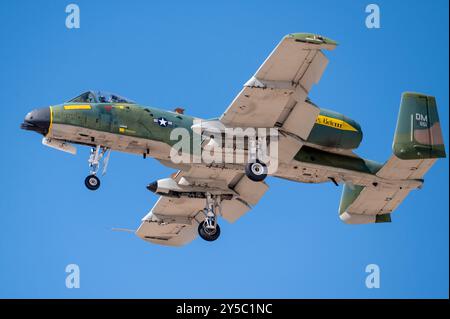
[315,145]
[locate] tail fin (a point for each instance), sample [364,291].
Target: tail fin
[417,145]
[418,141]
[418,134]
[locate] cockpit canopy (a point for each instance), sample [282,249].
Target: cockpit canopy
[100,97]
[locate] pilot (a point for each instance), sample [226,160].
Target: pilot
[90,98]
[102,99]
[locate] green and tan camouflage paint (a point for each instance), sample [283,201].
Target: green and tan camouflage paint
[331,129]
[418,134]
[124,119]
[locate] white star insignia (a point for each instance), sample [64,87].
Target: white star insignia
[162,121]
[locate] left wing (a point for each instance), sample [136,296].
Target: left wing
[174,221]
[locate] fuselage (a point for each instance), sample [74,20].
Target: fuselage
[332,129]
[144,130]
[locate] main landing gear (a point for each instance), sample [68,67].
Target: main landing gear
[256,170]
[97,156]
[208,229]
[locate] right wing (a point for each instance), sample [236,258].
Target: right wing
[284,79]
[276,96]
[174,221]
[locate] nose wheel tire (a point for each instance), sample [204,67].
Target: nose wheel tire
[92,182]
[207,233]
[256,171]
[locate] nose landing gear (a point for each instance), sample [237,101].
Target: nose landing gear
[97,156]
[92,182]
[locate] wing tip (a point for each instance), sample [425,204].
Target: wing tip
[313,39]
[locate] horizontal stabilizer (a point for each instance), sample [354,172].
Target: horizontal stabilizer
[366,205]
[396,168]
[418,143]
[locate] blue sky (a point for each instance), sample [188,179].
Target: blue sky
[198,55]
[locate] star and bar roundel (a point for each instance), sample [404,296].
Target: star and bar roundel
[163,122]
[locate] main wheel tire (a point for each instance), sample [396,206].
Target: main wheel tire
[92,182]
[208,234]
[256,171]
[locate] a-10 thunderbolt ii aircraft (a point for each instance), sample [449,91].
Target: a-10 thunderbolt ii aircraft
[314,145]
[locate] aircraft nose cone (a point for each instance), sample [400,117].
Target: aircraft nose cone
[37,120]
